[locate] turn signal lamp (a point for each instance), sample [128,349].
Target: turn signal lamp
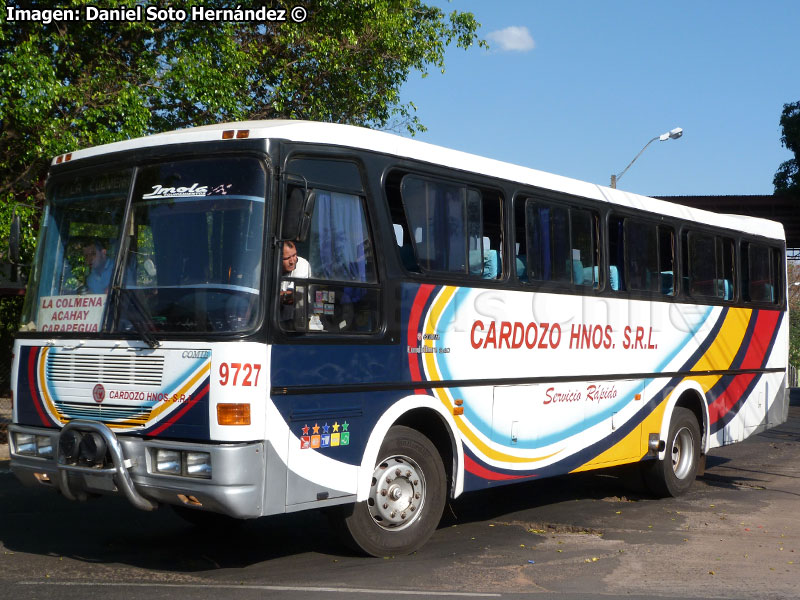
[233,414]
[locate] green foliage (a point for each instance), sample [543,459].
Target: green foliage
[68,86]
[71,85]
[793,277]
[794,338]
[787,178]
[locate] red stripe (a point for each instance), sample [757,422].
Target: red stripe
[414,317]
[181,412]
[472,467]
[728,399]
[759,344]
[37,403]
[758,348]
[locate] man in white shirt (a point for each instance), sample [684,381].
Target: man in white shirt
[293,265]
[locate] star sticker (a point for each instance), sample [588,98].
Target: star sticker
[325,428]
[335,427]
[315,429]
[305,430]
[345,425]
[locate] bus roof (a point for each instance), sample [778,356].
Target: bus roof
[386,143]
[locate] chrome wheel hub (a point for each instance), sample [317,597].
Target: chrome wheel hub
[682,453]
[397,494]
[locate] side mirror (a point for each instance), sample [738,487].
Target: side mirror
[298,208]
[305,217]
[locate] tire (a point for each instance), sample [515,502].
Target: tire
[406,499]
[675,474]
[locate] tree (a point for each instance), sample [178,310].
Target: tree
[69,85]
[787,178]
[76,84]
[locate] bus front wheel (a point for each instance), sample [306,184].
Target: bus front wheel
[675,474]
[406,499]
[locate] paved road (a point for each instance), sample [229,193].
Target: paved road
[736,534]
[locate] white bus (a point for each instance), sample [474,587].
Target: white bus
[263,317]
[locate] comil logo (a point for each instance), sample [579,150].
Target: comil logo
[99,393]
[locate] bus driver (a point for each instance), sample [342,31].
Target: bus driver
[100,267]
[293,265]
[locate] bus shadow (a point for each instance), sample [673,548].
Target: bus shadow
[110,531]
[622,484]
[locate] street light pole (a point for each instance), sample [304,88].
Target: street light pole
[673,134]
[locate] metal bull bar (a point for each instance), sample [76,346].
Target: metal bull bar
[83,447]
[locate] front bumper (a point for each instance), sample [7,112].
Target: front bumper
[236,486]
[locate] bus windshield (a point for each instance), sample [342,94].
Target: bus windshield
[187,261]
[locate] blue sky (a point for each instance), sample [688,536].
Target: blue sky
[578,87]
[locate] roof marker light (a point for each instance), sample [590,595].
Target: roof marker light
[228,134]
[242,134]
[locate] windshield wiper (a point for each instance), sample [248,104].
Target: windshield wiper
[146,336]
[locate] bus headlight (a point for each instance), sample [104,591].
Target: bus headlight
[168,461]
[44,446]
[25,443]
[30,444]
[198,464]
[185,463]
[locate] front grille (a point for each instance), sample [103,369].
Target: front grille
[107,413]
[101,368]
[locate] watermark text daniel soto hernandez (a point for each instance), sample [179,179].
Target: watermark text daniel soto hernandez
[152,13]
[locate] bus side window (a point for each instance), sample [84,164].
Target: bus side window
[666,259]
[641,242]
[709,262]
[641,256]
[561,243]
[760,273]
[338,290]
[340,251]
[445,226]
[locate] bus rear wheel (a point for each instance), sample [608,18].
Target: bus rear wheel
[406,499]
[675,474]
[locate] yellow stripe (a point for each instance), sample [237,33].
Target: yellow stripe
[432,321]
[632,447]
[183,390]
[723,349]
[45,393]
